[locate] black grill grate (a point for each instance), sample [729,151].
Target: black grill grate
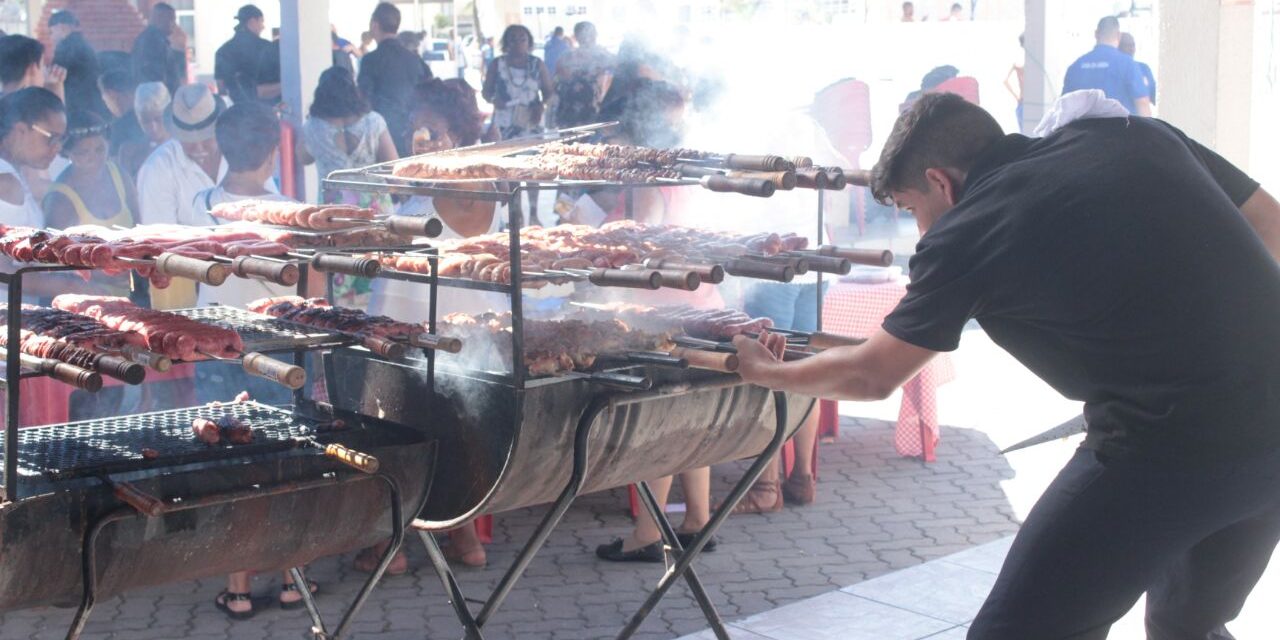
[107,445]
[262,332]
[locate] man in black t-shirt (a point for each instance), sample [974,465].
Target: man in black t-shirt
[1135,270]
[388,75]
[73,53]
[238,63]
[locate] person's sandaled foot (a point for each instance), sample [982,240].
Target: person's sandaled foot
[474,557]
[291,599]
[686,540]
[237,606]
[800,488]
[763,497]
[367,561]
[613,552]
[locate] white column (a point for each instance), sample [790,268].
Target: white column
[1206,72]
[1052,40]
[305,52]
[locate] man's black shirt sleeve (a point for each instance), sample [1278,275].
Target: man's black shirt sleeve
[1236,183]
[942,297]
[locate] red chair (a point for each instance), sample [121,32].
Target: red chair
[964,86]
[843,110]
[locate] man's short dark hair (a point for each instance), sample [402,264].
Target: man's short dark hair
[581,28]
[164,7]
[247,133]
[63,17]
[17,54]
[119,81]
[939,131]
[1108,26]
[558,31]
[387,17]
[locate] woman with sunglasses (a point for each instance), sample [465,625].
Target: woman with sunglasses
[33,126]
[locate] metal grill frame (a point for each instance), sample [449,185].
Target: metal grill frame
[264,333]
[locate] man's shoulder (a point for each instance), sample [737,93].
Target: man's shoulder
[161,157]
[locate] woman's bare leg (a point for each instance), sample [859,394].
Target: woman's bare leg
[646,531]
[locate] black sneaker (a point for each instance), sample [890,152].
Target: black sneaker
[613,552]
[686,541]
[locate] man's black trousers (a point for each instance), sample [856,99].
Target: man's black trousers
[1106,530]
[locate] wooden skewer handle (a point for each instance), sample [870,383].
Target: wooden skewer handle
[210,273]
[801,162]
[156,361]
[782,180]
[349,265]
[711,273]
[836,178]
[644,279]
[746,186]
[383,347]
[350,457]
[122,369]
[858,178]
[281,273]
[761,270]
[684,280]
[420,226]
[145,503]
[710,360]
[830,264]
[819,340]
[77,377]
[873,257]
[265,367]
[757,163]
[438,343]
[812,178]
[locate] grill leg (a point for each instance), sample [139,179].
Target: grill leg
[398,526]
[89,569]
[318,630]
[717,518]
[459,601]
[673,544]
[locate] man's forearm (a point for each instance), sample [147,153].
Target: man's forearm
[836,374]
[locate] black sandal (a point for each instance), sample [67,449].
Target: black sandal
[220,601]
[613,552]
[299,603]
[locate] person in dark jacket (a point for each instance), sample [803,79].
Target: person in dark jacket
[73,53]
[159,52]
[388,75]
[236,64]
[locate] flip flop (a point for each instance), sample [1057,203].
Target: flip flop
[220,601]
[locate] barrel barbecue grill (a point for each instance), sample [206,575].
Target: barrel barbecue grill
[97,507]
[511,440]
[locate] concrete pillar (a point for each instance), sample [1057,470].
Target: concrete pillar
[304,54]
[1205,80]
[1050,43]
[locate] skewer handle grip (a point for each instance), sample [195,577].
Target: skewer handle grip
[782,180]
[352,458]
[78,377]
[711,273]
[420,226]
[383,347]
[684,280]
[210,273]
[656,359]
[281,273]
[858,178]
[646,279]
[812,178]
[760,270]
[710,360]
[349,265]
[873,257]
[145,503]
[836,178]
[438,343]
[156,361]
[801,162]
[820,340]
[265,367]
[829,264]
[746,186]
[121,369]
[757,163]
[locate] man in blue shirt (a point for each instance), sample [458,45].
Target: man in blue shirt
[1128,47]
[1111,71]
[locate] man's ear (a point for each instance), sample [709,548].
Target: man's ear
[947,181]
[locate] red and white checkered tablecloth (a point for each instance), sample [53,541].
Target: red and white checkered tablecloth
[858,309]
